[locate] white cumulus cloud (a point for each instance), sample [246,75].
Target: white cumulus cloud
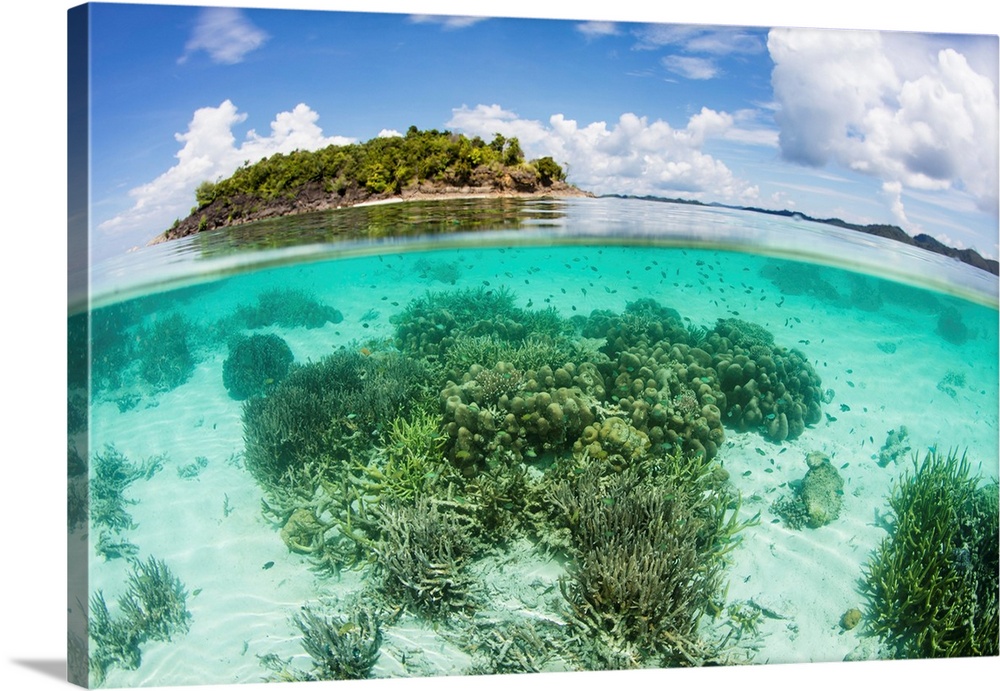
[209,151]
[915,116]
[631,156]
[225,34]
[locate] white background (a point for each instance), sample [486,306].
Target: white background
[32,331]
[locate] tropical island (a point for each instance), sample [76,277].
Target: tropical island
[430,164]
[419,165]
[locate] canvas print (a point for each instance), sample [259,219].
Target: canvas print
[419,346]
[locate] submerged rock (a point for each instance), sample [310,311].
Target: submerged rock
[822,491]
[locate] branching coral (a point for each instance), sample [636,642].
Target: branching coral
[287,307]
[324,410]
[421,557]
[932,583]
[165,353]
[255,365]
[340,648]
[432,325]
[647,547]
[153,608]
[111,475]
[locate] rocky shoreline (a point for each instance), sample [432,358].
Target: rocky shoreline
[223,214]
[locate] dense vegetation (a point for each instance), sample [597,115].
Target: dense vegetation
[384,166]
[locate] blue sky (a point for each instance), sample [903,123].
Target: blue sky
[867,126]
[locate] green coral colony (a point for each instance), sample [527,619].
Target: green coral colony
[482,423]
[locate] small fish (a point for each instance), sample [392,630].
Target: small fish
[746,473]
[830,418]
[844,408]
[268,565]
[844,466]
[196,593]
[760,451]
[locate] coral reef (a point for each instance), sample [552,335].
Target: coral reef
[950,326]
[671,394]
[933,582]
[340,648]
[322,411]
[850,619]
[895,446]
[421,558]
[766,387]
[165,353]
[153,608]
[690,373]
[112,474]
[822,491]
[506,413]
[430,325]
[287,307]
[647,547]
[255,365]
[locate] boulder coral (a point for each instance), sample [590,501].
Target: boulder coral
[521,414]
[767,387]
[671,394]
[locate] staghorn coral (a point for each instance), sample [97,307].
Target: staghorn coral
[340,648]
[153,607]
[932,583]
[165,352]
[112,474]
[326,410]
[255,365]
[421,558]
[287,307]
[647,552]
[432,325]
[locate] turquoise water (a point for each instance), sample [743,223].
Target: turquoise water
[420,433]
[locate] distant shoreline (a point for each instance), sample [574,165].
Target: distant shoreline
[891,232]
[313,202]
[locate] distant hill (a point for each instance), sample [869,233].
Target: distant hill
[891,232]
[421,164]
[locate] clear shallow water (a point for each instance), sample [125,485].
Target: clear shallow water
[166,427]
